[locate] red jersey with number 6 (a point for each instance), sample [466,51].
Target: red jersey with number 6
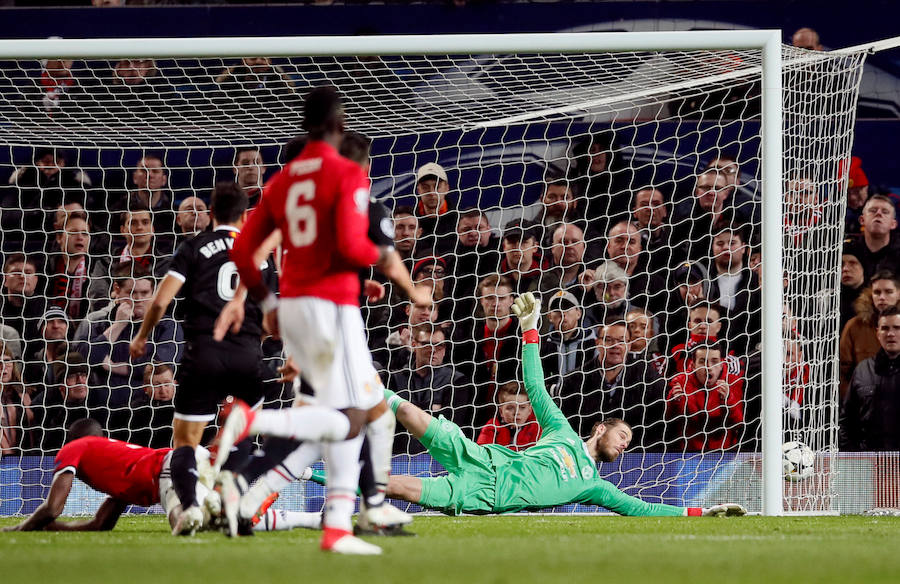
[320,201]
[124,471]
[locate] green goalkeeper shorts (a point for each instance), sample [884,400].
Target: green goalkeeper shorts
[470,486]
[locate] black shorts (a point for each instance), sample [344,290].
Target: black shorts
[211,371]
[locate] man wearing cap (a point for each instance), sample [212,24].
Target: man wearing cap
[436,212]
[68,399]
[569,345]
[522,262]
[857,195]
[42,353]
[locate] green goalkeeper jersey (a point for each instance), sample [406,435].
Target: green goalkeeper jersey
[557,470]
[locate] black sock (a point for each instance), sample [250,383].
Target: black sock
[239,456]
[183,465]
[274,451]
[367,487]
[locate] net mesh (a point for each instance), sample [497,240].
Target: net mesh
[630,181]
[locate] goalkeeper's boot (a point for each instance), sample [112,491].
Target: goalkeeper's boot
[238,417]
[189,521]
[339,541]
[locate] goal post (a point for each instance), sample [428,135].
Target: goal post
[700,60]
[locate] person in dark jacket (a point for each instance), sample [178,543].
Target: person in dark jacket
[871,408]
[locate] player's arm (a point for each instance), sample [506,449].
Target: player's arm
[52,507]
[106,518]
[392,266]
[606,495]
[257,229]
[352,221]
[548,415]
[166,291]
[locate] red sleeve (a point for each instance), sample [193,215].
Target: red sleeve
[735,400]
[487,434]
[69,456]
[676,405]
[352,220]
[259,225]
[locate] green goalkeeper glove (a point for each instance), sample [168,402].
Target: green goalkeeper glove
[725,510]
[528,309]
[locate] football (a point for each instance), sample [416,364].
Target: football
[798,461]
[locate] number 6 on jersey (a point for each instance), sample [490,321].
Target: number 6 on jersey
[301,218]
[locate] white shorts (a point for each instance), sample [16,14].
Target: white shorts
[328,343]
[167,496]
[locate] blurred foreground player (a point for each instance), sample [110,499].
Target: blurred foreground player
[210,370]
[131,475]
[320,202]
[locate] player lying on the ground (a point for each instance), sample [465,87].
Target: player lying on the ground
[560,469]
[131,475]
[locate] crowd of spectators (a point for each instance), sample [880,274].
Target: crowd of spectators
[652,293]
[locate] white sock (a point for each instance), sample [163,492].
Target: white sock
[316,423]
[342,466]
[281,520]
[381,444]
[290,470]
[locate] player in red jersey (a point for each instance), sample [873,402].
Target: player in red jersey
[130,475]
[320,202]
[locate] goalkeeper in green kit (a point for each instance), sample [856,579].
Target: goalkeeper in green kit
[558,470]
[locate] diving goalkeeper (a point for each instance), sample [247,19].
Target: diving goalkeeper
[558,470]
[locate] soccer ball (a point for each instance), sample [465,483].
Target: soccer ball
[798,461]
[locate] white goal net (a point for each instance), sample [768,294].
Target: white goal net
[623,187]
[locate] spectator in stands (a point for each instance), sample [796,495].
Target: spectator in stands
[70,398]
[435,209]
[605,181]
[522,262]
[853,279]
[857,195]
[149,418]
[432,384]
[434,272]
[476,253]
[871,407]
[21,305]
[806,38]
[61,91]
[514,425]
[643,344]
[151,192]
[139,246]
[725,163]
[705,401]
[192,218]
[68,273]
[254,84]
[487,349]
[14,404]
[875,248]
[35,192]
[43,353]
[558,205]
[802,210]
[569,346]
[107,351]
[859,340]
[650,213]
[796,380]
[704,327]
[135,89]
[408,236]
[397,350]
[615,387]
[690,283]
[715,200]
[124,276]
[624,247]
[609,301]
[249,169]
[735,287]
[568,259]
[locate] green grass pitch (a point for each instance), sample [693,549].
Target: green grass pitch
[520,549]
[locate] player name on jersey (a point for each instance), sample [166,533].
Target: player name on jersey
[216,246]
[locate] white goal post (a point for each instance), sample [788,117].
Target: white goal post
[771,69]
